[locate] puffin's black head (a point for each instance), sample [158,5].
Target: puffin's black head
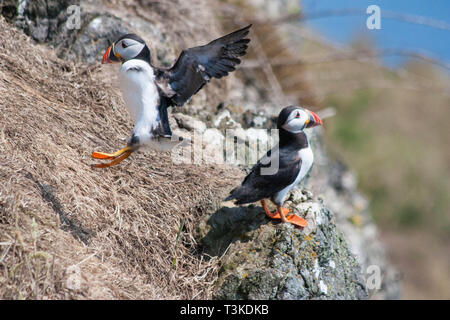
[294,119]
[129,46]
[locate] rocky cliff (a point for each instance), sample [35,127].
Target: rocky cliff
[265,261]
[159,229]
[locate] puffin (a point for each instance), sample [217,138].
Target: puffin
[148,91]
[282,168]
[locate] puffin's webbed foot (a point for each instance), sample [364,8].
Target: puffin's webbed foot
[116,157]
[296,220]
[293,218]
[281,213]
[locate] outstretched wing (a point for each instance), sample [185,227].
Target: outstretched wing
[196,66]
[267,178]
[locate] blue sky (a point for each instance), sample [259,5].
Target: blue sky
[393,34]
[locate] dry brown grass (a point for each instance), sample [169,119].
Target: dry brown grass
[68,231]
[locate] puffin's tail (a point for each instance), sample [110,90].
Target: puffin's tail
[241,196]
[232,195]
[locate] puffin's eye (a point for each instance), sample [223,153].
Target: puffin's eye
[124,45]
[297,115]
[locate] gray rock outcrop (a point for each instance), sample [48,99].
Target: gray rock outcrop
[262,260]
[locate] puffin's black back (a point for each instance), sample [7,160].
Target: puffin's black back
[257,186]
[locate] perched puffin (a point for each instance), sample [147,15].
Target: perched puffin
[148,91]
[275,174]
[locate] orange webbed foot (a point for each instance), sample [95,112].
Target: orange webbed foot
[297,221]
[116,157]
[293,219]
[274,215]
[101,155]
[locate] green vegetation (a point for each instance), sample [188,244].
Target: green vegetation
[399,151]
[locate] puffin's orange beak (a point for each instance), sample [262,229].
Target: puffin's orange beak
[109,56]
[314,120]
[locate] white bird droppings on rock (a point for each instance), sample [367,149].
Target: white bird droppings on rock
[95,24]
[316,269]
[323,287]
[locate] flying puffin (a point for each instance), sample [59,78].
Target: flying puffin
[148,91]
[275,174]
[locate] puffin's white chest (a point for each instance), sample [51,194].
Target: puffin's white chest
[140,94]
[307,157]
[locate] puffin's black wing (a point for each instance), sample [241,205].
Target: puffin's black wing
[257,185]
[196,66]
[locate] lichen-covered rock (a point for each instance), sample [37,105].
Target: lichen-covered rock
[97,32]
[78,30]
[40,18]
[75,30]
[262,260]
